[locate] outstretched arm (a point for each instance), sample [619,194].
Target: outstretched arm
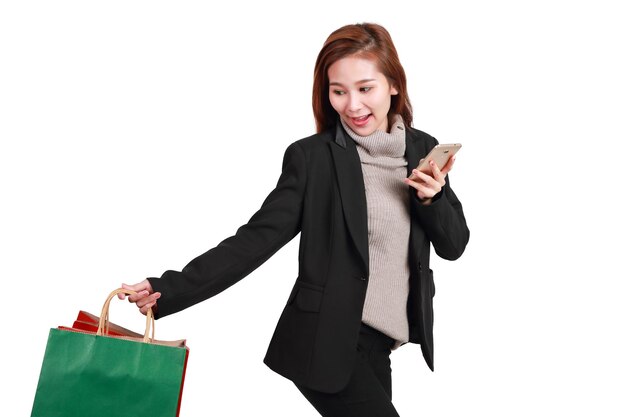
[270,228]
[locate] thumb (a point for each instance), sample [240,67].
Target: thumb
[122,296]
[141,286]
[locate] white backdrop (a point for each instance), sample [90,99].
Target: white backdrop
[122,125]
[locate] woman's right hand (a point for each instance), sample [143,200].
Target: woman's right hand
[145,298]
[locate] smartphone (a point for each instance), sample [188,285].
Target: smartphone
[440,154]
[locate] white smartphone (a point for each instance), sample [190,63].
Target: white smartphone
[440,154]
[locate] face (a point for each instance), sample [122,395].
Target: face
[360,94]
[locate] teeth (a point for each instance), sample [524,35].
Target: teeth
[362,117]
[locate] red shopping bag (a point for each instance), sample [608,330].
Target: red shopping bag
[89,323]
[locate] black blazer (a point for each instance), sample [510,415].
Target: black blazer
[321,194]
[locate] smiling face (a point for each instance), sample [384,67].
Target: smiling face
[360,94]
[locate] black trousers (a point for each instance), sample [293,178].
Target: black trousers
[368,393]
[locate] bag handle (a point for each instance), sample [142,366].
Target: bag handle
[103,325]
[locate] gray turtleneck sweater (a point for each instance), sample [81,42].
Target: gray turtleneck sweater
[388,220]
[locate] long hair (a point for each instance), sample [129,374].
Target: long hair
[365,40]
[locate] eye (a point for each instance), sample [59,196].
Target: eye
[339,92]
[365,89]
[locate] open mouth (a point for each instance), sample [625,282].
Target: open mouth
[361,121]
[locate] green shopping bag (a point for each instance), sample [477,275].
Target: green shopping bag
[88,375]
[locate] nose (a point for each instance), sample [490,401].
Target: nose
[354,103]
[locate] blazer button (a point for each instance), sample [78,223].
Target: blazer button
[363,278]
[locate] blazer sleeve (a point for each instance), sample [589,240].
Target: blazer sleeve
[444,223]
[270,228]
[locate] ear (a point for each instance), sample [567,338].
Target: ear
[393,91]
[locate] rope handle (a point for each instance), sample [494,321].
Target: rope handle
[103,325]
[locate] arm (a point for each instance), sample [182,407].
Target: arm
[270,228]
[439,210]
[443,221]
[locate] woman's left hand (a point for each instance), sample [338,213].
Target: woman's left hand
[427,185]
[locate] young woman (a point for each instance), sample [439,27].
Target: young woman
[364,286]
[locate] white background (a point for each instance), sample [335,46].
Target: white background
[123,128]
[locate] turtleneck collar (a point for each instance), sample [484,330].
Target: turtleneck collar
[381,143]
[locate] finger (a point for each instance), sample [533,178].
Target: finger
[425,185]
[448,167]
[147,300]
[427,179]
[131,288]
[143,285]
[144,300]
[437,175]
[436,171]
[423,191]
[133,298]
[144,309]
[138,288]
[424,167]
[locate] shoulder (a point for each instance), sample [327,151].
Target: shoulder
[313,142]
[311,146]
[421,137]
[312,152]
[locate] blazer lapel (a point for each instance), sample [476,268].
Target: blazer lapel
[414,152]
[352,191]
[352,186]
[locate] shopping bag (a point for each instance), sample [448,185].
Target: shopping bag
[87,374]
[89,323]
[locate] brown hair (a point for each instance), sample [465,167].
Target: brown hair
[370,41]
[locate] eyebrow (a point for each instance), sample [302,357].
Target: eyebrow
[367,80]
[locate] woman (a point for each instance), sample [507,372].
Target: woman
[364,286]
